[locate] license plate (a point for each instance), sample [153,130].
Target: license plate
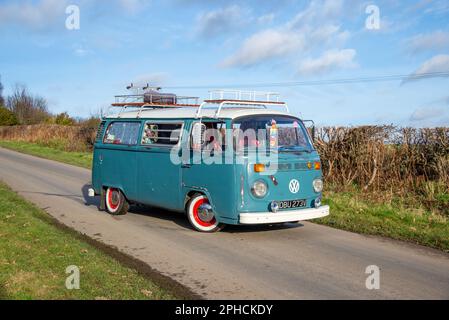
[290,204]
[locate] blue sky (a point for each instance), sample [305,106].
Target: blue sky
[209,43]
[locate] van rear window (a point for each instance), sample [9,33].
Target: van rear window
[156,133]
[122,133]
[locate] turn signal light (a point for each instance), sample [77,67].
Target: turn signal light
[317,165]
[259,167]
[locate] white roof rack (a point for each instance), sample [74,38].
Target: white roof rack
[219,99]
[222,94]
[150,99]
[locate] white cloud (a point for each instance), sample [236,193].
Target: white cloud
[328,61]
[429,41]
[220,21]
[266,19]
[437,7]
[318,12]
[133,6]
[33,14]
[426,113]
[314,27]
[438,63]
[45,14]
[265,45]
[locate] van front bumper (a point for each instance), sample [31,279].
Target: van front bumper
[283,216]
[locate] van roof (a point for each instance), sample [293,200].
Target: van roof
[190,113]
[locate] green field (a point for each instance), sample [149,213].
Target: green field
[349,210]
[34,255]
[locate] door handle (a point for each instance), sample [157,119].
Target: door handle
[186,166]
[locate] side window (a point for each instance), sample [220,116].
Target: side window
[122,133]
[208,136]
[156,133]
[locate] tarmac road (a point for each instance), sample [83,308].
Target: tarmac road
[295,261]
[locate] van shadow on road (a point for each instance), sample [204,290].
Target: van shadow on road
[75,197]
[90,201]
[180,218]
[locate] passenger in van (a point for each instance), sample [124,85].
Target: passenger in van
[213,144]
[248,140]
[215,138]
[151,135]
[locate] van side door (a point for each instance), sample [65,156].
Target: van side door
[208,169]
[159,178]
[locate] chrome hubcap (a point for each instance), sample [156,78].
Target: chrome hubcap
[205,212]
[115,198]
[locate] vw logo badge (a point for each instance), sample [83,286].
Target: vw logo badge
[294,186]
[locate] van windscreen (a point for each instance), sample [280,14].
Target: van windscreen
[272,132]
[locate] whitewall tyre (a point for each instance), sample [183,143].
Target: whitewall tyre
[201,216]
[115,202]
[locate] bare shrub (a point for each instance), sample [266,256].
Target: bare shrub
[386,159]
[2,100]
[65,138]
[28,109]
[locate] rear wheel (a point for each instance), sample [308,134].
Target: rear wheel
[201,215]
[116,203]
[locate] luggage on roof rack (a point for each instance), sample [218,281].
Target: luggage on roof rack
[149,97]
[156,97]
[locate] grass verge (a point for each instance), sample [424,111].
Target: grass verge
[34,255]
[351,211]
[81,159]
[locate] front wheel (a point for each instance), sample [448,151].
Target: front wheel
[201,215]
[116,203]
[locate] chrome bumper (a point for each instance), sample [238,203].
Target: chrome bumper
[283,216]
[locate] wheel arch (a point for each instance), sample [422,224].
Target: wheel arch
[201,191]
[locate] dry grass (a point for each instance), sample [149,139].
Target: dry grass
[65,138]
[388,162]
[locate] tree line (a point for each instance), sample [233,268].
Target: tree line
[21,107]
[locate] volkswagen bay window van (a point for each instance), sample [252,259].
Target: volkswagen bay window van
[237,158]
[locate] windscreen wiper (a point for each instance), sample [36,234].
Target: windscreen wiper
[293,149]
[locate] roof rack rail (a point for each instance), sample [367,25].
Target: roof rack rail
[244,95]
[150,97]
[249,99]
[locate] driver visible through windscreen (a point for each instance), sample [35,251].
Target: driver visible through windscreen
[272,132]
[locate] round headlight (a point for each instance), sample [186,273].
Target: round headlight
[318,185]
[259,189]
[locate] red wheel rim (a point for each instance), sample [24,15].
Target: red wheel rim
[196,216]
[113,204]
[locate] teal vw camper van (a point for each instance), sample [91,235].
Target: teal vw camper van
[237,158]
